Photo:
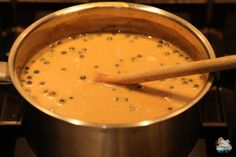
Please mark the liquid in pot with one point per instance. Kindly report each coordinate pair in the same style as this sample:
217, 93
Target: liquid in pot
60, 78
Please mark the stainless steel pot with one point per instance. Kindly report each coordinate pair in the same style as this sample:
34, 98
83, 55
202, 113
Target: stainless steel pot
51, 135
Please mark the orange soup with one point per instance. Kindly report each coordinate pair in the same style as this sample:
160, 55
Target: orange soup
60, 78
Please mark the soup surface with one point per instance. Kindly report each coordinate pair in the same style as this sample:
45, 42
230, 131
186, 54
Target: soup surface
60, 78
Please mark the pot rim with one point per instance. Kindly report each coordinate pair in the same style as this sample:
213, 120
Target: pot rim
76, 8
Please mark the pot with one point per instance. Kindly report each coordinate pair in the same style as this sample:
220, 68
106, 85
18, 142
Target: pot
51, 135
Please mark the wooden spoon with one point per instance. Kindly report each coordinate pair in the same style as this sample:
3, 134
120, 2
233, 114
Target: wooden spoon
189, 68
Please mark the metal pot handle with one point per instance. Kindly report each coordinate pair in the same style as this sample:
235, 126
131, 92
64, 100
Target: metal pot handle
4, 73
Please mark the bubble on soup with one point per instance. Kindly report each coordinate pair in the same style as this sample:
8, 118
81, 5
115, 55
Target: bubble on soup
133, 59
195, 86
139, 56
167, 53
29, 77
161, 41
184, 82
73, 37
176, 52
29, 82
63, 69
201, 77
25, 72
42, 83
167, 44
27, 91
126, 99
52, 45
45, 91
159, 45
83, 77
63, 52
51, 94
72, 48
117, 65
190, 80
127, 35
58, 42
132, 108
62, 101
109, 38
117, 98
26, 68
42, 59
187, 59
36, 72
171, 87
162, 64
82, 56
170, 108
51, 54
52, 109
46, 62
83, 49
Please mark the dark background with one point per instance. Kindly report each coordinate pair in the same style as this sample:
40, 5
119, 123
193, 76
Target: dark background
215, 18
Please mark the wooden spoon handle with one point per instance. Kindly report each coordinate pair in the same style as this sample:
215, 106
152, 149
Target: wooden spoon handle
196, 67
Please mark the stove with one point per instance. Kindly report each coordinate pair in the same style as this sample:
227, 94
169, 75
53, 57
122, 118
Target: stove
215, 18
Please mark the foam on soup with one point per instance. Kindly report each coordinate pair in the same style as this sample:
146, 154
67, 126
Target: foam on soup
60, 78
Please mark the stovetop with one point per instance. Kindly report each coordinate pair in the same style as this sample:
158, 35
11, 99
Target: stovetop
216, 19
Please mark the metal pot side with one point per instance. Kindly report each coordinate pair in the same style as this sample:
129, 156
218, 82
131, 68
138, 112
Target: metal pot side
54, 138
53, 135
